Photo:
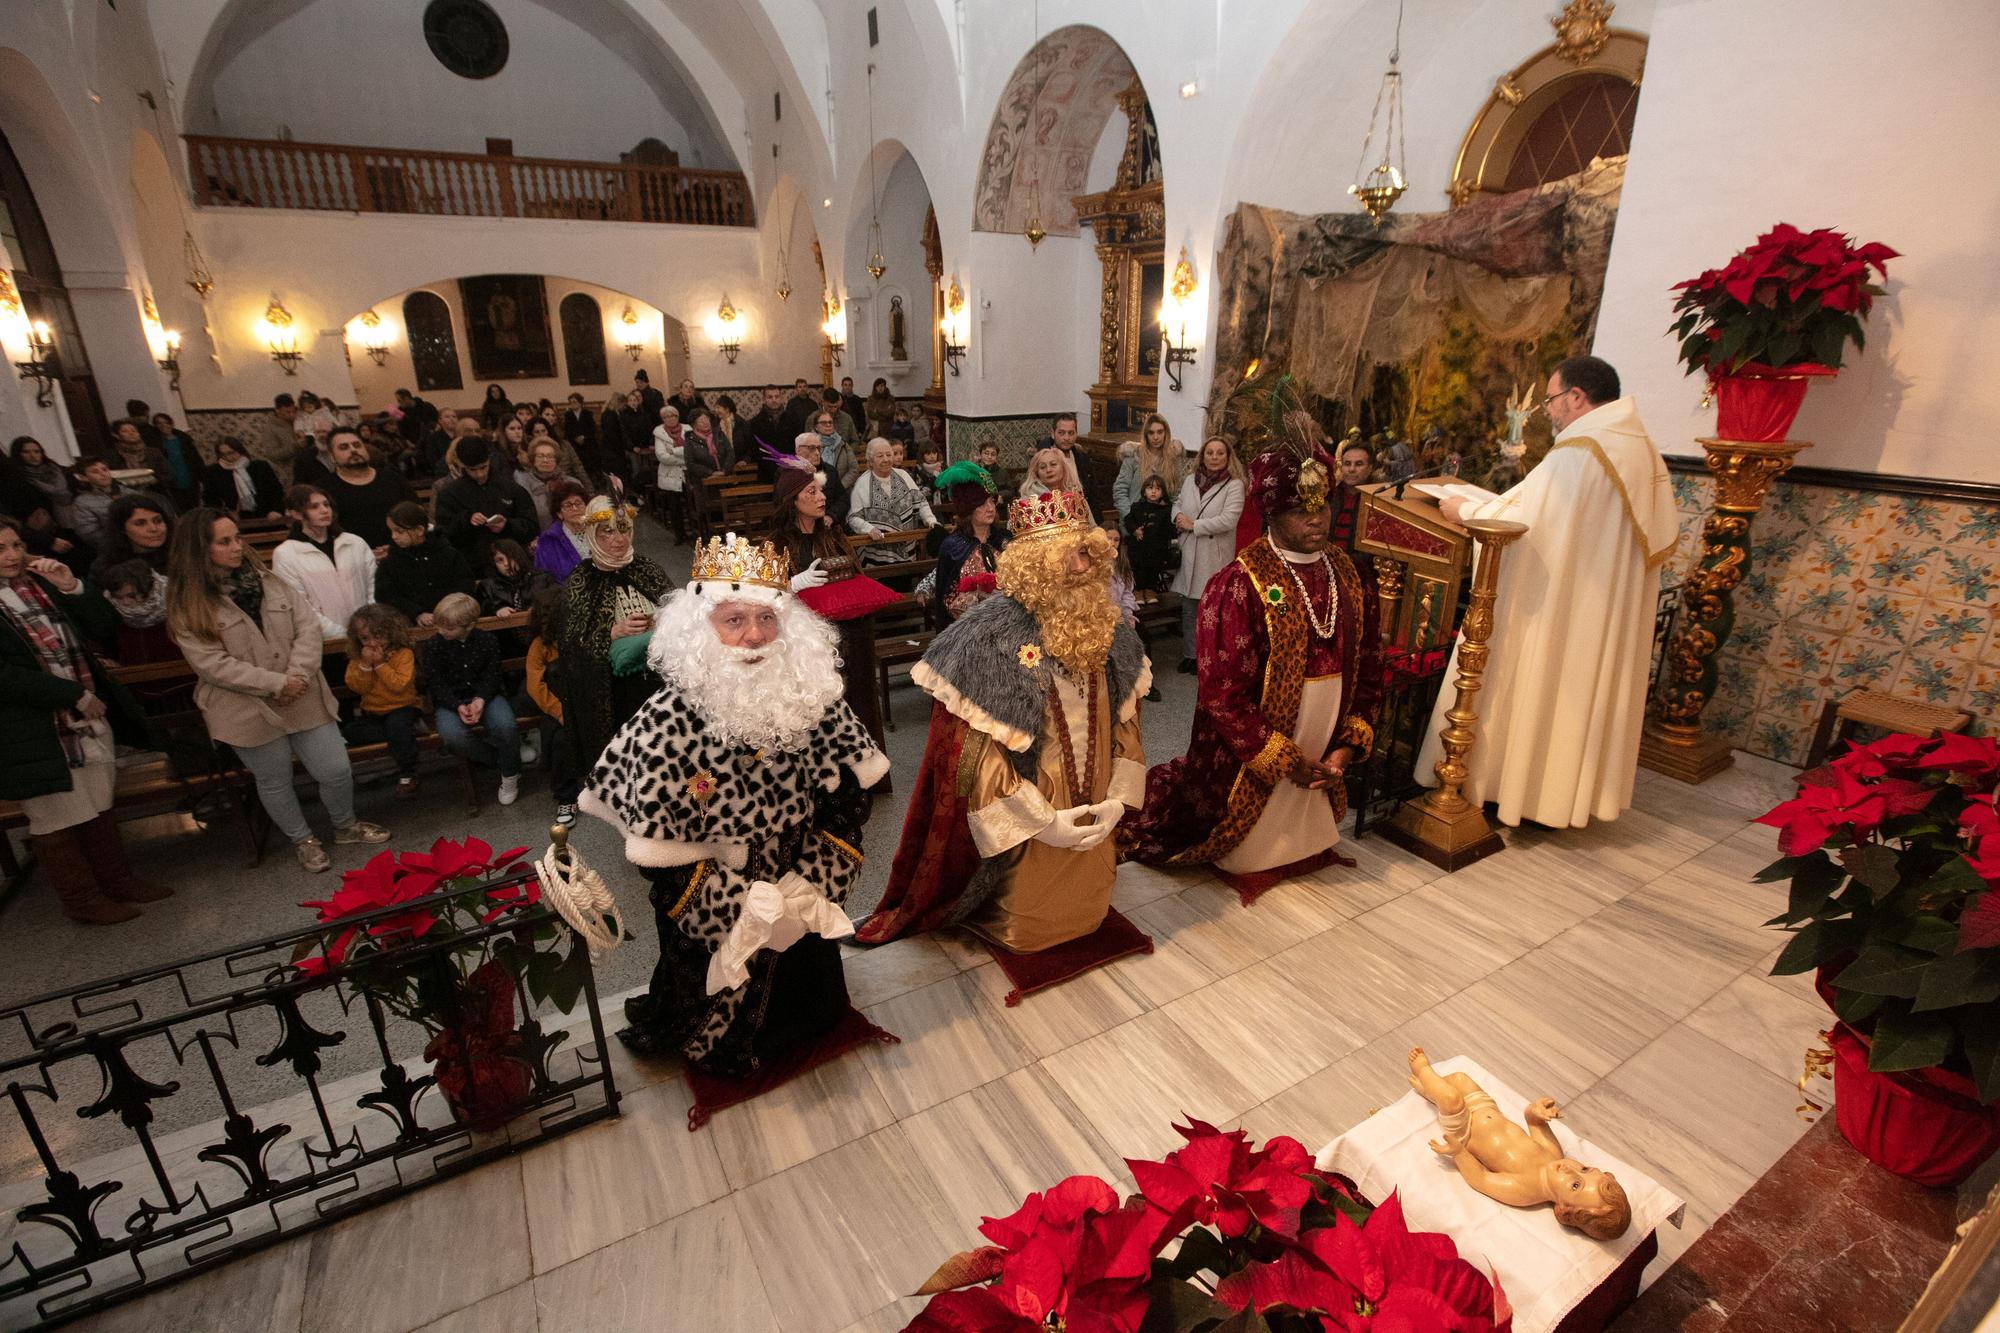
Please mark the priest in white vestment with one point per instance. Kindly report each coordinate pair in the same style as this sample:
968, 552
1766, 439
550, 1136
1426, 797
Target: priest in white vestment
1564, 699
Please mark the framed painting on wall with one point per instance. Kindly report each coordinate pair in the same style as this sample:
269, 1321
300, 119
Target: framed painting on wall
507, 326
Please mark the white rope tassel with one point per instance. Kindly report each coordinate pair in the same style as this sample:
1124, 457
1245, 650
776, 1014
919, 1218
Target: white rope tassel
579, 896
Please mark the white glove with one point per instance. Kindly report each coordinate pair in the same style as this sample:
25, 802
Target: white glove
812, 576
1108, 813
1071, 830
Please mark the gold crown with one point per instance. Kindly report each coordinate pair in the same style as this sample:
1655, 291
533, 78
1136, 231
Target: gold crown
1049, 512
737, 560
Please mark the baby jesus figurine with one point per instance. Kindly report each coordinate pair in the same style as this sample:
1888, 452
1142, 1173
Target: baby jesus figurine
1520, 1168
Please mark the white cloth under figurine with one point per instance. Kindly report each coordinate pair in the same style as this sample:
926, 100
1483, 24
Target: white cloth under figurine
1565, 693
1545, 1268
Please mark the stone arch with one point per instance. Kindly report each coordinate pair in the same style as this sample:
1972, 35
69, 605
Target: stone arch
56, 162
1024, 169
907, 282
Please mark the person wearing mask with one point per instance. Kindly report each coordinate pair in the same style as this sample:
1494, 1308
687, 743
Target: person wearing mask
45, 475
362, 493
670, 469
333, 572
421, 568
478, 507
565, 543
1210, 502
256, 653
239, 485
63, 715
273, 440
135, 529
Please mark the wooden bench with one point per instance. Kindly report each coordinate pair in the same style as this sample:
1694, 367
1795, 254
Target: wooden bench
1884, 712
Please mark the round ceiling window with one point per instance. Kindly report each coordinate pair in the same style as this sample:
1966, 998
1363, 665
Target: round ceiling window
467, 37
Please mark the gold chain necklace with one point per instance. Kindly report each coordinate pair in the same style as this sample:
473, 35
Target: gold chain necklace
1322, 628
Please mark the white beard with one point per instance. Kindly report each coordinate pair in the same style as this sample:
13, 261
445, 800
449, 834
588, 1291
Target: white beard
770, 697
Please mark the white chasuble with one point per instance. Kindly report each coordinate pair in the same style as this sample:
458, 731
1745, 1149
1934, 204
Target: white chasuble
1564, 699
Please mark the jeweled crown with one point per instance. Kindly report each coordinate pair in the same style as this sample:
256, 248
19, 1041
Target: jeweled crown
1049, 512
734, 559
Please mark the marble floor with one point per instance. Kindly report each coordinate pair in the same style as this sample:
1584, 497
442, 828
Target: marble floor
1620, 968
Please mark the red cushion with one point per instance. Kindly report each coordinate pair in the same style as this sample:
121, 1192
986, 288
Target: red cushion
849, 599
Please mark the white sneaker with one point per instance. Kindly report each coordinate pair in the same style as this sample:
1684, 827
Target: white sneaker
531, 750
510, 790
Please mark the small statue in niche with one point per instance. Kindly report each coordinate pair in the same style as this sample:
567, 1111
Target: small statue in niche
1517, 1167
899, 349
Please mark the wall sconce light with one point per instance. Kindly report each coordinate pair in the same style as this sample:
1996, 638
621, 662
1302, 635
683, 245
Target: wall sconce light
280, 337
375, 336
170, 358
954, 326
1176, 349
835, 329
725, 330
635, 342
41, 363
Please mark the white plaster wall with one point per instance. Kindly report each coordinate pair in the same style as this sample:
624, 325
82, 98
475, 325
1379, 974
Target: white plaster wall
359, 260
564, 92
1887, 140
905, 201
661, 356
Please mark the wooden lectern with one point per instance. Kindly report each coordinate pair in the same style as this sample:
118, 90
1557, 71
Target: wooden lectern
1421, 560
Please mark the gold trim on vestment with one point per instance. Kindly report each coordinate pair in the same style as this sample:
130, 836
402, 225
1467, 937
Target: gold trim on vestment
1624, 498
847, 850
687, 894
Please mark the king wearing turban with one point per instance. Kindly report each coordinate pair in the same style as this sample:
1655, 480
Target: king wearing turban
1289, 664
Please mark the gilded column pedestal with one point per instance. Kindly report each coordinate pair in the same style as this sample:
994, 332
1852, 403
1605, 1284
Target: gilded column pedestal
1441, 825
1674, 743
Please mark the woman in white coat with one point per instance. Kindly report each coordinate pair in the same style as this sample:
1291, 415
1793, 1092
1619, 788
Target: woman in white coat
1211, 501
333, 571
670, 452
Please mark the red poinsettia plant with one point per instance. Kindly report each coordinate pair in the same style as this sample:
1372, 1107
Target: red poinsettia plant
1893, 856
1795, 298
1266, 1242
440, 894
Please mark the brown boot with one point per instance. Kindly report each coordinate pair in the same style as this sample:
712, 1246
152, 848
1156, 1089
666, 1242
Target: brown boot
61, 857
110, 868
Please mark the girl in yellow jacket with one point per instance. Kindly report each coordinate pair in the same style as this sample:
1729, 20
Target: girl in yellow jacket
382, 671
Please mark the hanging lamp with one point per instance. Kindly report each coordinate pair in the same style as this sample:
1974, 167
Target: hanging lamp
877, 265
1378, 188
1035, 231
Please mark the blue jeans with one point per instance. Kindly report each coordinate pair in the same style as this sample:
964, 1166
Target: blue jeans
499, 747
324, 754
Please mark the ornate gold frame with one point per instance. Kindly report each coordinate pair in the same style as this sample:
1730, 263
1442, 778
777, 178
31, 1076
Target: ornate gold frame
1487, 152
1129, 222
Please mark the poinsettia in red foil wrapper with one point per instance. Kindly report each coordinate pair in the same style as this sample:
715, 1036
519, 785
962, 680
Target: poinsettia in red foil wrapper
1264, 1241
1892, 853
1793, 299
461, 988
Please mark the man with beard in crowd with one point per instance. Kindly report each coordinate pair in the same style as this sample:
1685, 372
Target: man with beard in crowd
362, 493
740, 791
1034, 752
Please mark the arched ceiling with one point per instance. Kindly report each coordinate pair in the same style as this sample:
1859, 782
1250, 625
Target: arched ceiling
1079, 72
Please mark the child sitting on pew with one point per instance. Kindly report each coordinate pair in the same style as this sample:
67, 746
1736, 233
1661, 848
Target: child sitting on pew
461, 670
545, 624
382, 672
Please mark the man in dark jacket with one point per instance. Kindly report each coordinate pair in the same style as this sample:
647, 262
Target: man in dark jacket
419, 417
65, 779
421, 568
767, 427
857, 412
478, 507
651, 400
799, 411
579, 427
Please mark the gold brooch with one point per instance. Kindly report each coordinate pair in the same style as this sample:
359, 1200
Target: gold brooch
702, 786
1030, 656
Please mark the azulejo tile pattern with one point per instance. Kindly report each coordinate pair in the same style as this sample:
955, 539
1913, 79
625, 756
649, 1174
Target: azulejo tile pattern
1851, 589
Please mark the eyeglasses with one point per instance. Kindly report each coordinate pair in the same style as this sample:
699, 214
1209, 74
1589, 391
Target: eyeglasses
1560, 393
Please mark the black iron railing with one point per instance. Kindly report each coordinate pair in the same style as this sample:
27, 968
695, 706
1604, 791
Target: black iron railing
134, 1154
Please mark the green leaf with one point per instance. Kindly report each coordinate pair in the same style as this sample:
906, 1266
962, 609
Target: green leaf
1201, 1250
1958, 979
1884, 969
1814, 944
1785, 867
566, 981
1979, 1029
1874, 865
1854, 1008
1782, 348
1813, 882
1909, 1041
1955, 878
1176, 1306
1925, 932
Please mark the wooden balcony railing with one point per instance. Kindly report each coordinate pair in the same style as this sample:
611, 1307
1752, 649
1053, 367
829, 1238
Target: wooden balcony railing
271, 173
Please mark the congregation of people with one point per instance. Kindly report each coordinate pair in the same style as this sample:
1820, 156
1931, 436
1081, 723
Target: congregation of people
474, 578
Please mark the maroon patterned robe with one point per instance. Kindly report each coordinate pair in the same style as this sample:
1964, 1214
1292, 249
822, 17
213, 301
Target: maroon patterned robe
1200, 806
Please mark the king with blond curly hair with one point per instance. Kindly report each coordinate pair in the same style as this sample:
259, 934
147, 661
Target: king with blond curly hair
1033, 754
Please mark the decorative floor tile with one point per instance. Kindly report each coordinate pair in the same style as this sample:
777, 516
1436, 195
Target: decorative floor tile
1371, 983
951, 1042
699, 1270
513, 1309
